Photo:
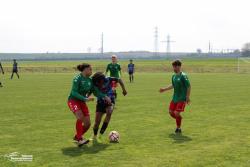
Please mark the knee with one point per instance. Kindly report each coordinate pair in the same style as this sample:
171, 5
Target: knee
108, 115
80, 118
177, 114
171, 112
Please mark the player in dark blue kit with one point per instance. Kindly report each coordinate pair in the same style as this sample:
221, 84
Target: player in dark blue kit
1, 68
131, 70
104, 84
15, 69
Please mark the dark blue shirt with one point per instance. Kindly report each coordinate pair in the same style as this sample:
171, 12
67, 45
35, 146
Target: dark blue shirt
107, 89
131, 67
15, 66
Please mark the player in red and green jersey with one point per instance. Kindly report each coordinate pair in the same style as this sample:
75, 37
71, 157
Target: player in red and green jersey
181, 97
114, 68
115, 71
81, 89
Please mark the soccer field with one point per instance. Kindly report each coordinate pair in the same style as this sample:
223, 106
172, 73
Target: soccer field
35, 120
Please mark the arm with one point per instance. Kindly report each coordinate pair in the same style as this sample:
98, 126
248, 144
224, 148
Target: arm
107, 70
188, 86
124, 91
99, 94
75, 93
120, 70
188, 94
166, 88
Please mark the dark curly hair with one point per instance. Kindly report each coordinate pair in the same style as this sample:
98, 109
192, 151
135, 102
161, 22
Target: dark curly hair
81, 67
176, 63
97, 77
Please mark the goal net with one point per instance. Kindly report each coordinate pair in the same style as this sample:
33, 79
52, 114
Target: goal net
243, 65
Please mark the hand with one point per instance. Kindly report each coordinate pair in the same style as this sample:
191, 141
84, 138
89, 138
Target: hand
188, 100
90, 99
162, 90
107, 100
124, 92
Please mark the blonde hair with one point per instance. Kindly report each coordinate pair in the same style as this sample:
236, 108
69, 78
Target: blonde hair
114, 56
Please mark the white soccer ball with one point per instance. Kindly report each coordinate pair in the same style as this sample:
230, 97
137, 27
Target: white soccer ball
114, 136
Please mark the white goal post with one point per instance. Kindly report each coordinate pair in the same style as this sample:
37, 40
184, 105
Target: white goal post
243, 65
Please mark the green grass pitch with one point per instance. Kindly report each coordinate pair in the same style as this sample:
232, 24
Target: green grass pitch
35, 120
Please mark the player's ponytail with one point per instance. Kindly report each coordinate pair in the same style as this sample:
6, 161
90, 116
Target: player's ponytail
83, 66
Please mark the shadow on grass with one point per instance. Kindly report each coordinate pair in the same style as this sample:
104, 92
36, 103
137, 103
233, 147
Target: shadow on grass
179, 138
77, 151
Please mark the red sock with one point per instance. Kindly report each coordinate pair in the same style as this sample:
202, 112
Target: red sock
79, 129
178, 121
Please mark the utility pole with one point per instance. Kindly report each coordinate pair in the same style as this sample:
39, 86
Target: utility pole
209, 47
168, 41
102, 44
156, 48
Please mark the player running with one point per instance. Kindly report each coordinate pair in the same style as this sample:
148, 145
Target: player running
115, 71
15, 69
1, 68
181, 97
104, 84
131, 70
81, 89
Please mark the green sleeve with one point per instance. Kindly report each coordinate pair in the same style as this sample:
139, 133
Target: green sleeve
97, 92
186, 81
119, 68
107, 69
74, 91
172, 80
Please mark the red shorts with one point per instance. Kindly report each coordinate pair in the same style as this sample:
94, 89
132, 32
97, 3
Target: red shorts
179, 106
114, 84
76, 105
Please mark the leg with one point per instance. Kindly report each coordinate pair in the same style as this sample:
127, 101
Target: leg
172, 107
178, 119
172, 114
98, 119
86, 124
179, 108
109, 111
132, 77
12, 75
79, 127
17, 75
115, 94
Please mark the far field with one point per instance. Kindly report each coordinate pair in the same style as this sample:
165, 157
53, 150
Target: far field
217, 65
35, 119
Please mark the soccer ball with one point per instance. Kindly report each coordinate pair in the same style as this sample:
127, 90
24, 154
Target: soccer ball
114, 136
